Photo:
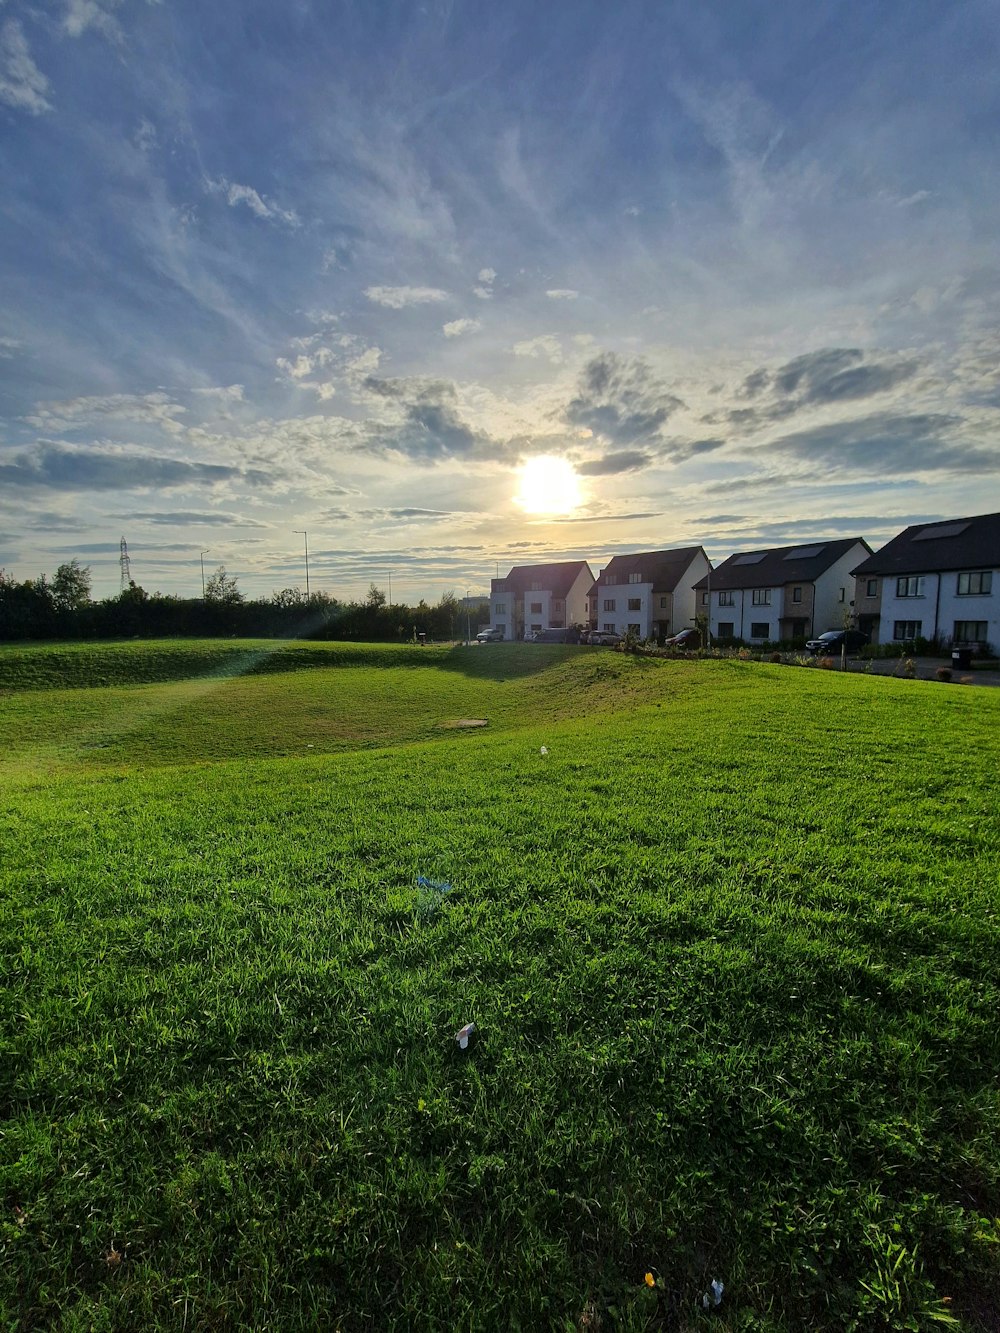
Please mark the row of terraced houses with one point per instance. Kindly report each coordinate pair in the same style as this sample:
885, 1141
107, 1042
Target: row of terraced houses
935, 581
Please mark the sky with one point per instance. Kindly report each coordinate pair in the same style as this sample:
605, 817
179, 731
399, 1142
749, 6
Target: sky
345, 267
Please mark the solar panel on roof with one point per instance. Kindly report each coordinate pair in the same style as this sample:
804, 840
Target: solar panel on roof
942, 530
805, 552
750, 559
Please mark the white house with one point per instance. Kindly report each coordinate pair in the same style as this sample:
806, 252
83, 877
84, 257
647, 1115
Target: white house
648, 594
936, 581
786, 592
538, 597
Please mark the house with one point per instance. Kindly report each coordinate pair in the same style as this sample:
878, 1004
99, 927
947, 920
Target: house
648, 594
786, 592
936, 581
540, 597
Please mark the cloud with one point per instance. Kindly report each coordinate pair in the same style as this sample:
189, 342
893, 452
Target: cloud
621, 399
562, 294
8, 346
195, 518
22, 84
235, 195
83, 14
628, 460
831, 375
546, 345
426, 425
487, 276
602, 518
398, 297
459, 326
58, 467
226, 396
888, 443
156, 409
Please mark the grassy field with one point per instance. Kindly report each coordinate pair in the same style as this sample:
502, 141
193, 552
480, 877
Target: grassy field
731, 946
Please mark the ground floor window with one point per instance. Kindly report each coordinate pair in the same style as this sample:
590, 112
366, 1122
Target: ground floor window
635, 629
610, 629
969, 631
904, 630
759, 629
725, 629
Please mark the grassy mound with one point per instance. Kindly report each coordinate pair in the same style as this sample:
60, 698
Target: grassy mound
731, 947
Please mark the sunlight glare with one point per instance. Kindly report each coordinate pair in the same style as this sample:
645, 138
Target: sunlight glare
548, 486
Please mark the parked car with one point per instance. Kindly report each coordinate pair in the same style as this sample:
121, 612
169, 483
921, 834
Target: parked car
605, 637
687, 639
832, 642
532, 635
493, 635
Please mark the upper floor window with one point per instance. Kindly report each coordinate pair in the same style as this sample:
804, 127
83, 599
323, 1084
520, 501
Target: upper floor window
535, 587
797, 595
871, 588
911, 585
663, 602
975, 584
635, 603
500, 608
536, 608
610, 578
609, 603
635, 578
762, 596
726, 599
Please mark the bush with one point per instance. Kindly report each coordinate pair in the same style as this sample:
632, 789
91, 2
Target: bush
943, 673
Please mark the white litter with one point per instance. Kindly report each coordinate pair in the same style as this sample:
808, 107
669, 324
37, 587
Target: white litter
545, 749
463, 1034
713, 1297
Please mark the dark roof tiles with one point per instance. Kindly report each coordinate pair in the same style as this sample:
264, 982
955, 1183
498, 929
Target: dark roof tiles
955, 543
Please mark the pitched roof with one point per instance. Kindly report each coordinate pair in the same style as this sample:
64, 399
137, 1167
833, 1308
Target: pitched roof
663, 569
557, 578
955, 543
780, 564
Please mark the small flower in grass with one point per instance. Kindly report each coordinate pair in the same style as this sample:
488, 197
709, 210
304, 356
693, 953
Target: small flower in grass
650, 1280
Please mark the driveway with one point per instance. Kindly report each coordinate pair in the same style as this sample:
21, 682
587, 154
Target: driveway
924, 668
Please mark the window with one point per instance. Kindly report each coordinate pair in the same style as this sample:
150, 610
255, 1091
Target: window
609, 628
843, 594
725, 629
500, 608
975, 585
610, 578
969, 631
536, 629
726, 599
635, 603
704, 599
797, 595
762, 596
536, 608
871, 588
634, 630
535, 587
663, 603
910, 586
635, 578
905, 630
609, 603
759, 629
557, 604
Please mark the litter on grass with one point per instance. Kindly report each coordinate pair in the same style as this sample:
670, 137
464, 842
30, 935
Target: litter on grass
545, 749
430, 895
712, 1298
463, 1034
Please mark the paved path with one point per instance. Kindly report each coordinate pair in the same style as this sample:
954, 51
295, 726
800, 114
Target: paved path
924, 668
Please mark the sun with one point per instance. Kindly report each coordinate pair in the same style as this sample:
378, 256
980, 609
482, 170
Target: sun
548, 486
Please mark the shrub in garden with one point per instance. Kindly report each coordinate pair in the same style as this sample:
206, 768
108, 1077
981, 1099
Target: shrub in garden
943, 673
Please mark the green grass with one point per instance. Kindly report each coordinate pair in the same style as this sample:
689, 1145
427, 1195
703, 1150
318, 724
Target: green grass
732, 948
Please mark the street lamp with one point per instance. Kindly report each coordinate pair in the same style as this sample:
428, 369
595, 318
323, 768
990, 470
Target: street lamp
301, 532
203, 554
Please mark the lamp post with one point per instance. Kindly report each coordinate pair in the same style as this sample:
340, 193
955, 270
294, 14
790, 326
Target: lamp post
390, 588
468, 618
203, 554
301, 532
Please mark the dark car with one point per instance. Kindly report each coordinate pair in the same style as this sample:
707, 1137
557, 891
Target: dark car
833, 641
688, 638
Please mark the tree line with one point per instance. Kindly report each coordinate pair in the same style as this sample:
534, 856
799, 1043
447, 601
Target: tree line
61, 607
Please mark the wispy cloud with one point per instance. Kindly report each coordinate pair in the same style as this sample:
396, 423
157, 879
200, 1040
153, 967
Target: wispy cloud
23, 86
395, 298
106, 468
457, 327
246, 196
562, 294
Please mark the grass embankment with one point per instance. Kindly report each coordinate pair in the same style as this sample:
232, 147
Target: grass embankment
731, 946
